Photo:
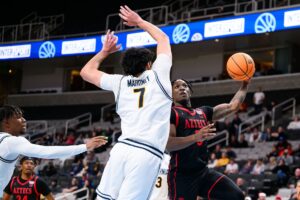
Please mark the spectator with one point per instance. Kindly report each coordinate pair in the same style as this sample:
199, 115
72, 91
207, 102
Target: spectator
247, 168
295, 124
242, 142
54, 187
230, 153
235, 123
218, 151
232, 167
265, 135
74, 185
212, 162
233, 141
296, 195
258, 101
259, 168
240, 182
294, 179
223, 161
271, 164
282, 172
49, 169
262, 196
288, 159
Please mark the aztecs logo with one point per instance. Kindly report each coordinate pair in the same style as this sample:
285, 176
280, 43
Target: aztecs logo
199, 111
31, 183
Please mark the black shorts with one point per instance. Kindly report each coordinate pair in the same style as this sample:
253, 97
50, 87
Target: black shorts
208, 184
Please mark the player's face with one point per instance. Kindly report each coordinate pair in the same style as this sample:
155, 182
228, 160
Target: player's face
27, 167
16, 125
181, 91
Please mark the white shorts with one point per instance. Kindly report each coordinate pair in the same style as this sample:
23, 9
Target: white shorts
130, 173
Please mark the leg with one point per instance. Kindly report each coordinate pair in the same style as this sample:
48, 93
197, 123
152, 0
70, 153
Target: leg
217, 186
141, 170
113, 175
182, 187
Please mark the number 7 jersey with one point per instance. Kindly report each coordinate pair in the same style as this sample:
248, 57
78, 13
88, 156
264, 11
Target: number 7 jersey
144, 103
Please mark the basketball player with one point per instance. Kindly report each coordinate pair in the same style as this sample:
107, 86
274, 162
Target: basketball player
12, 124
189, 175
143, 102
160, 189
27, 185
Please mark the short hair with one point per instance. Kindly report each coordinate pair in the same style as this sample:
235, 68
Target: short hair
28, 158
134, 60
189, 84
8, 111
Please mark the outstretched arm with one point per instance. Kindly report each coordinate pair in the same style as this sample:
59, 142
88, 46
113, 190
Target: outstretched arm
131, 18
222, 110
90, 71
20, 145
178, 143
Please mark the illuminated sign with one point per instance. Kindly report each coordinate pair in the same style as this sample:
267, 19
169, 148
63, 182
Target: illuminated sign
225, 27
292, 18
139, 39
78, 46
255, 23
15, 51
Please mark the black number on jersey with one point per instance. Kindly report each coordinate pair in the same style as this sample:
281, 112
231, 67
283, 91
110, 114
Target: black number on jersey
141, 98
158, 182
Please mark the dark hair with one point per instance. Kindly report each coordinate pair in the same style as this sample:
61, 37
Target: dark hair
134, 60
27, 158
187, 82
8, 111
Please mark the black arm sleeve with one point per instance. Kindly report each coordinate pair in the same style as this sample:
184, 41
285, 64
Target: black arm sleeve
208, 112
7, 188
42, 187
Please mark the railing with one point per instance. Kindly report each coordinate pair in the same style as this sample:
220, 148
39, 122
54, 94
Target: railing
114, 21
104, 110
257, 120
37, 126
71, 123
224, 132
283, 106
73, 195
30, 31
226, 138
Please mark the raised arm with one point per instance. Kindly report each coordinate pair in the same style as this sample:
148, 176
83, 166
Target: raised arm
131, 18
90, 72
22, 146
222, 110
178, 143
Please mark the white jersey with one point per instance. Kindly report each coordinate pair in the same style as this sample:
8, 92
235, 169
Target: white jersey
144, 104
11, 147
160, 190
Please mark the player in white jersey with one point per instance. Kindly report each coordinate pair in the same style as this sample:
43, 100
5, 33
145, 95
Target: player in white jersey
12, 124
143, 98
160, 189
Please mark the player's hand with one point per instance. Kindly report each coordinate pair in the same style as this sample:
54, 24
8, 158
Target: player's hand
110, 43
130, 17
206, 132
96, 142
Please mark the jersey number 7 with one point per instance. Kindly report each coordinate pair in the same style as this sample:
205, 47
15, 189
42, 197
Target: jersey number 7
141, 98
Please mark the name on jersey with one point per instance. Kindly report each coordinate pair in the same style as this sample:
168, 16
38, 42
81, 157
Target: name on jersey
163, 171
20, 190
194, 123
137, 82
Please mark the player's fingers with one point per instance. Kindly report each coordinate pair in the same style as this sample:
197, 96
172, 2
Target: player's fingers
212, 130
123, 17
128, 8
124, 12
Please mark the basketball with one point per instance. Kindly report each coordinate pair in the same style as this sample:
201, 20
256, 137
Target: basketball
240, 66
